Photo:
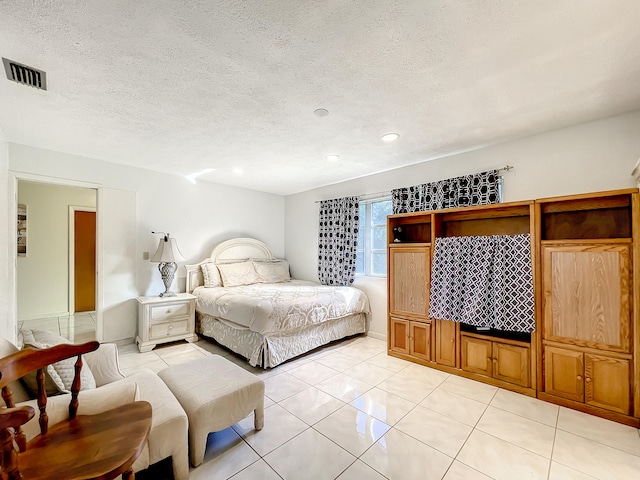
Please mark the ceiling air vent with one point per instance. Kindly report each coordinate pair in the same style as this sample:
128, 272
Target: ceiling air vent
19, 73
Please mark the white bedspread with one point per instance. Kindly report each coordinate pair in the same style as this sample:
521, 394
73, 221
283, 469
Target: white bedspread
271, 307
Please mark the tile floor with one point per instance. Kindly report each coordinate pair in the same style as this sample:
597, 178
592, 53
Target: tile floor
351, 412
78, 328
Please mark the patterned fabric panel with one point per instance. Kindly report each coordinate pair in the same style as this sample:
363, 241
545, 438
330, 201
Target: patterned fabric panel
338, 240
265, 308
485, 281
477, 189
273, 349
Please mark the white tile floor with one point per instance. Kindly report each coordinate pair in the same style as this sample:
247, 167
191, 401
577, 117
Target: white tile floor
78, 328
351, 412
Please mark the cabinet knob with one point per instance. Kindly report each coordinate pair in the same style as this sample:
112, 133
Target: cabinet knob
587, 380
169, 310
579, 377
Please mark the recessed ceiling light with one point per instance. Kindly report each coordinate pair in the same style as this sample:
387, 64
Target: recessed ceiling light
237, 171
321, 112
390, 137
333, 158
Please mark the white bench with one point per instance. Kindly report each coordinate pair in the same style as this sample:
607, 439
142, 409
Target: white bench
216, 394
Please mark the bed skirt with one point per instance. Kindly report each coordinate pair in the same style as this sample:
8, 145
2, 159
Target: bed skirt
274, 348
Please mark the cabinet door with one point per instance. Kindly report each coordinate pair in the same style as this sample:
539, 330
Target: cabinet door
511, 363
420, 340
476, 355
607, 383
587, 295
409, 270
564, 370
399, 335
446, 342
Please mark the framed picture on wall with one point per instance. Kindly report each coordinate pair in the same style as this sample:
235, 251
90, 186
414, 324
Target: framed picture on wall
22, 230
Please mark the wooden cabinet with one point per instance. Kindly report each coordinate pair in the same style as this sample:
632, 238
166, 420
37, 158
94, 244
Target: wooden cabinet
585, 350
445, 339
411, 338
596, 380
409, 285
587, 295
588, 317
503, 361
165, 319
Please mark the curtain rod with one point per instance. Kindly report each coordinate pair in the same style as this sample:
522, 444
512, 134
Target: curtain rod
387, 193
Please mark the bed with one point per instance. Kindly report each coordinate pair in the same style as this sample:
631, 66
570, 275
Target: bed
247, 302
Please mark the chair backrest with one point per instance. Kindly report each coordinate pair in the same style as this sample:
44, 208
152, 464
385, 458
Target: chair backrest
18, 364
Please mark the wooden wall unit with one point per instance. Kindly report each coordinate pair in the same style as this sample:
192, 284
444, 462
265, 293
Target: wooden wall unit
585, 351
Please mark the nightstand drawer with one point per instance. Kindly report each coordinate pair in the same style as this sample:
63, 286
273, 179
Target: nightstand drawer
169, 329
160, 313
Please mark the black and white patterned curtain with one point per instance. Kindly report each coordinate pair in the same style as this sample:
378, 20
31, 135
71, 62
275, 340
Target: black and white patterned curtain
485, 281
477, 189
338, 240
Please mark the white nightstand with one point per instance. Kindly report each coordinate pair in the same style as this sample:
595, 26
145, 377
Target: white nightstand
166, 319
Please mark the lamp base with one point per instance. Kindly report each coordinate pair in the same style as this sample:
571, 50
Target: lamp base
167, 272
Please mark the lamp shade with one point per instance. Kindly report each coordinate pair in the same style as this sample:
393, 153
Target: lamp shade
167, 251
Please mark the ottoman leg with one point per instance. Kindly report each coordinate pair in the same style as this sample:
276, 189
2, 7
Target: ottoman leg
258, 420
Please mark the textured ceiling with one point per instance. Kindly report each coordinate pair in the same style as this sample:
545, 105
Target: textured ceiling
181, 86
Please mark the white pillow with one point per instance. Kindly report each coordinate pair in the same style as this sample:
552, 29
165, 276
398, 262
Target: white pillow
211, 275
274, 271
236, 274
60, 373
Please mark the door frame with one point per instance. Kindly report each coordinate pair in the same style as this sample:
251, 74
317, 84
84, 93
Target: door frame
14, 178
72, 254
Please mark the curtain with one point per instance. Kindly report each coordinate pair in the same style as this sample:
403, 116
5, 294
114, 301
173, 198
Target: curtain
485, 281
338, 240
477, 189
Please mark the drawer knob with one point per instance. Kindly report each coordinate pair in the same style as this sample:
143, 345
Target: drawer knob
169, 310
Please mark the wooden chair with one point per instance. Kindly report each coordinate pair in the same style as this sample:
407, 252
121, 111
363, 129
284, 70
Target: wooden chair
100, 446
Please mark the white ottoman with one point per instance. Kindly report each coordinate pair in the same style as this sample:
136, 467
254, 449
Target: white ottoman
216, 394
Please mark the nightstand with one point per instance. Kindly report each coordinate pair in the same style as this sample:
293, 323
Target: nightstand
165, 319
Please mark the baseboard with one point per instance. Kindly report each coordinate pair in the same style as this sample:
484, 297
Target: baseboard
43, 316
378, 336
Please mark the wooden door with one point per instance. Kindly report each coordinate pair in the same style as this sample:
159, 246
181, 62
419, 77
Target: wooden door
607, 383
587, 295
564, 373
409, 281
84, 261
476, 355
511, 363
446, 342
399, 335
420, 340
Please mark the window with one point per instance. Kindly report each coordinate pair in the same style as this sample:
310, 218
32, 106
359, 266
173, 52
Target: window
371, 259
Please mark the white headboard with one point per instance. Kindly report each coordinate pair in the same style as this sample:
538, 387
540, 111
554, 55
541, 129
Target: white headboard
229, 251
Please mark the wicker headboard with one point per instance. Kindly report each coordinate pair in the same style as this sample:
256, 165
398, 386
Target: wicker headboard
229, 251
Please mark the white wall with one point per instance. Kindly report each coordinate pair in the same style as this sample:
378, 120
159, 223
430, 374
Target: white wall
199, 216
7, 325
43, 274
590, 157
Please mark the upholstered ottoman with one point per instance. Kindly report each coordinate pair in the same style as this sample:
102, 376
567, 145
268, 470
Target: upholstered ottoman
216, 394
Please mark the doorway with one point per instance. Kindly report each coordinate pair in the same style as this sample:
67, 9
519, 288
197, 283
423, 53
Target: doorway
46, 273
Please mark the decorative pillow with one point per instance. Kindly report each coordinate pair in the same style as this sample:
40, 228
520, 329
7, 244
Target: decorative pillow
236, 274
59, 375
211, 275
273, 271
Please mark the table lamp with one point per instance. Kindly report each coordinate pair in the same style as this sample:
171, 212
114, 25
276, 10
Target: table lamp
167, 254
